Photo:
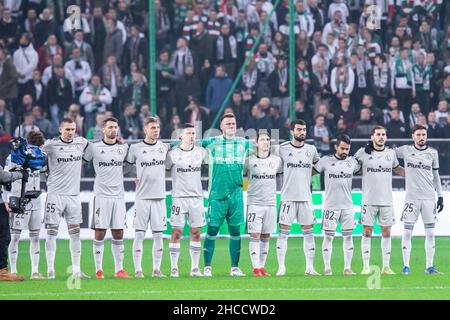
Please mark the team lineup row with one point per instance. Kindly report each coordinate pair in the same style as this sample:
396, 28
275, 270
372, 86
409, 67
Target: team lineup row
229, 159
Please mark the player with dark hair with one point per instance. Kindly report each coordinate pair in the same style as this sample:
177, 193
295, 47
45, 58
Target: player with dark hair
338, 169
377, 164
296, 198
422, 184
261, 169
108, 156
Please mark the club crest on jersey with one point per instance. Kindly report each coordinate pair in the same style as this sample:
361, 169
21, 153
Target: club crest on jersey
348, 164
161, 150
388, 157
119, 151
197, 157
271, 165
308, 154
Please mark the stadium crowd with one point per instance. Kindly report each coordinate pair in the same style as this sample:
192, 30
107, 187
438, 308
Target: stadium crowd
347, 78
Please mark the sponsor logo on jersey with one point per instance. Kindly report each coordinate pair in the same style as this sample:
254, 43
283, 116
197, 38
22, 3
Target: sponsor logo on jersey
152, 163
189, 169
379, 169
112, 163
71, 158
299, 165
418, 166
341, 175
263, 176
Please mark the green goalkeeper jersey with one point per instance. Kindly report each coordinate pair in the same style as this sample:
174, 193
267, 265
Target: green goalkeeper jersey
226, 164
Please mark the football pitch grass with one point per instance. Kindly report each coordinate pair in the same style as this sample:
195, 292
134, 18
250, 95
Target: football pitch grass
294, 285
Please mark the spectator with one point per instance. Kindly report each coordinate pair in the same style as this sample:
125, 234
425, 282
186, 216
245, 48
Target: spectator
48, 51
201, 47
74, 114
96, 132
44, 125
111, 77
392, 105
422, 73
375, 113
59, 94
329, 121
415, 112
278, 123
181, 57
8, 78
45, 27
7, 119
250, 82
86, 52
162, 26
226, 50
304, 113
380, 79
25, 107
302, 81
363, 127
319, 85
8, 29
186, 87
195, 113
402, 83
137, 92
434, 130
341, 128
29, 24
97, 26
35, 87
94, 98
26, 127
112, 15
136, 49
442, 113
49, 71
165, 83
346, 112
113, 41
278, 82
129, 123
279, 46
321, 135
444, 93
396, 128
304, 19
258, 120
240, 109
342, 80
265, 61
217, 90
26, 60
84, 29
80, 70
321, 59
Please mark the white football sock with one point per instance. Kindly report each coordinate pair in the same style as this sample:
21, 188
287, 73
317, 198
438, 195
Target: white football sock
174, 251
348, 249
13, 250
118, 252
254, 250
429, 244
264, 251
34, 251
195, 249
75, 248
157, 250
365, 250
386, 250
99, 246
406, 244
309, 248
327, 249
138, 250
282, 244
50, 249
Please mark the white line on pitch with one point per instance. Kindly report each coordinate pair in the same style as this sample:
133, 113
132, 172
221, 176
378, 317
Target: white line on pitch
80, 292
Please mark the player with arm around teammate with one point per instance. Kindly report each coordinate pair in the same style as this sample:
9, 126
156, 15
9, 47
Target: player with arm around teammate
185, 161
262, 169
422, 184
64, 162
377, 164
31, 218
108, 156
296, 199
338, 169
149, 156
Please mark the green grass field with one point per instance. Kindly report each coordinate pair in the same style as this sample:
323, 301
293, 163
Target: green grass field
292, 286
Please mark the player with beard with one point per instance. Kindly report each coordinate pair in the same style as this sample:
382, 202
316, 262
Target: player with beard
422, 184
296, 199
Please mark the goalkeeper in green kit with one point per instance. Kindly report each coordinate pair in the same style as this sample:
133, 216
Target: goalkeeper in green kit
227, 155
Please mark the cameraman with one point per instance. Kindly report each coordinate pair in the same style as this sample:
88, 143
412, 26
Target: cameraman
5, 236
31, 217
